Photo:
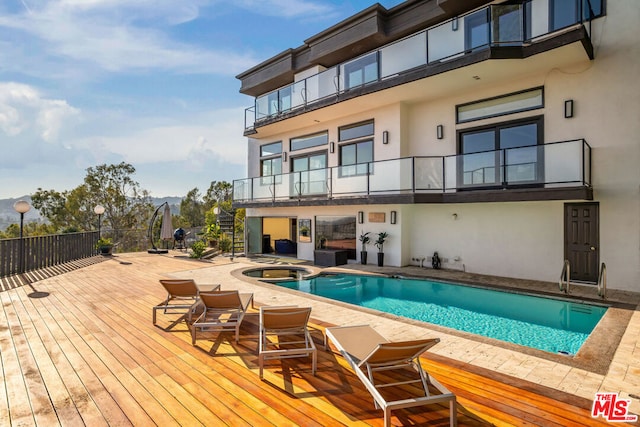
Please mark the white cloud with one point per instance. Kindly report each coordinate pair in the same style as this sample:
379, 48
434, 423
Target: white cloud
286, 8
23, 109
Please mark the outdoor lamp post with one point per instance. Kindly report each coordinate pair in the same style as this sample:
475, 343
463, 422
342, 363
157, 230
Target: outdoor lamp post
22, 207
99, 210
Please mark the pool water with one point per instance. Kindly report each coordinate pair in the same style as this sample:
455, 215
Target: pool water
548, 324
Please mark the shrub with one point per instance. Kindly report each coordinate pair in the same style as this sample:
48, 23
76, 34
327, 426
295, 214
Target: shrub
197, 249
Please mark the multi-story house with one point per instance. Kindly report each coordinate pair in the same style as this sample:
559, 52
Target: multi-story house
501, 134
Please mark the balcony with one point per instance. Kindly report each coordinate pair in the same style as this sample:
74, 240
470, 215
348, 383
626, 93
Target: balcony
513, 31
552, 171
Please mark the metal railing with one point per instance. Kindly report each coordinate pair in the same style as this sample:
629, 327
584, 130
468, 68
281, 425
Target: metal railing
602, 281
558, 164
33, 253
493, 25
565, 277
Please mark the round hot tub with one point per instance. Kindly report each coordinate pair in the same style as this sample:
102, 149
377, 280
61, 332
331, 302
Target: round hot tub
281, 272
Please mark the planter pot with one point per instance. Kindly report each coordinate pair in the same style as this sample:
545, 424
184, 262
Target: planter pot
380, 259
105, 250
363, 257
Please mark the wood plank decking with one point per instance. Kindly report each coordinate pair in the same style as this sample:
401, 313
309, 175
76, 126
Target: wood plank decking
88, 354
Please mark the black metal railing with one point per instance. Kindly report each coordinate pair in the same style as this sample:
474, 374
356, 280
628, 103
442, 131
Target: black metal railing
33, 253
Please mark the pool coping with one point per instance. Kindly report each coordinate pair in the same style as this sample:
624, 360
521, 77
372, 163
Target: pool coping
595, 355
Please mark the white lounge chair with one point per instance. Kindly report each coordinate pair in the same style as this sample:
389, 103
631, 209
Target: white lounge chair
223, 311
368, 352
284, 334
182, 297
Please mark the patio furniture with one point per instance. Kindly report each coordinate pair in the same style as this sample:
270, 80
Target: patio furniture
223, 311
368, 353
284, 334
182, 296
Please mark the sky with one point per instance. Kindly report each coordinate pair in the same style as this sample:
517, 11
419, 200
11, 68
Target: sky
147, 82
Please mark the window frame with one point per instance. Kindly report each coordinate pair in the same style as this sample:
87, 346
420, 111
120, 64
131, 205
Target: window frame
324, 132
538, 120
504, 113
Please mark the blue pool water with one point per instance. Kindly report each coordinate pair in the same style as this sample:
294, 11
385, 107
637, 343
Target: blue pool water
547, 324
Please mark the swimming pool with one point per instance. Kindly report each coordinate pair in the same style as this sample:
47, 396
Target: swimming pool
553, 325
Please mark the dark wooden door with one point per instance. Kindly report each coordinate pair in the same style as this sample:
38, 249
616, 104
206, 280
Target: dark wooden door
581, 237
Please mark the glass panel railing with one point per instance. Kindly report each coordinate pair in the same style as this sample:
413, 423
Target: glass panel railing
538, 21
249, 118
403, 55
428, 174
563, 163
507, 25
359, 72
391, 176
262, 187
445, 41
349, 180
298, 94
558, 164
242, 189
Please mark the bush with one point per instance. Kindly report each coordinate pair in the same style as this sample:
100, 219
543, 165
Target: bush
197, 249
225, 243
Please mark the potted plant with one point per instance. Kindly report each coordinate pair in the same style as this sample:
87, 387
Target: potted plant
104, 245
382, 236
211, 233
364, 239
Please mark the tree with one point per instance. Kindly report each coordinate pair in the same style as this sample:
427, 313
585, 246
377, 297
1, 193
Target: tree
218, 191
127, 206
192, 209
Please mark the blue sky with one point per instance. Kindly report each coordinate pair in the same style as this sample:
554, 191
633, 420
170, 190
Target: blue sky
148, 82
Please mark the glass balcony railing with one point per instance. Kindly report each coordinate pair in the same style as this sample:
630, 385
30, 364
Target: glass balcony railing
494, 25
551, 165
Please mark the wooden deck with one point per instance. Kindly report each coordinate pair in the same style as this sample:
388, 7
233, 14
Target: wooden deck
88, 354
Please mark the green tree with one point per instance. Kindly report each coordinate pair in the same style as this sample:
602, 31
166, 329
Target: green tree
127, 206
192, 209
218, 191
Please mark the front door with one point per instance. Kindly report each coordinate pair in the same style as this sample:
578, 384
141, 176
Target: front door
581, 237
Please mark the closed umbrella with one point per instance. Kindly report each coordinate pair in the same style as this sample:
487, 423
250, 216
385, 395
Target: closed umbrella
166, 232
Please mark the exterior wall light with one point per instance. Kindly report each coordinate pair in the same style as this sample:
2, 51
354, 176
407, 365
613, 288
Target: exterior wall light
385, 137
284, 156
394, 217
440, 131
454, 24
360, 217
568, 108
332, 147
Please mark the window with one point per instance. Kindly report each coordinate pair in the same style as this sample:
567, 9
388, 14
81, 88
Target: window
357, 130
501, 105
503, 154
360, 71
355, 158
336, 232
308, 141
309, 174
270, 161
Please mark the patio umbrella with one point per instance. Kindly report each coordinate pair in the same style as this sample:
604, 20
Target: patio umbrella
166, 232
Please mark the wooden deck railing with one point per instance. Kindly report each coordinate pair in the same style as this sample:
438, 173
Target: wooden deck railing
33, 253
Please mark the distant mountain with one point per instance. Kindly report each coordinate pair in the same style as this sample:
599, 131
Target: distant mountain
9, 216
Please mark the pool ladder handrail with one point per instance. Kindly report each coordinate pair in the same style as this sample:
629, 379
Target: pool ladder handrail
602, 281
565, 277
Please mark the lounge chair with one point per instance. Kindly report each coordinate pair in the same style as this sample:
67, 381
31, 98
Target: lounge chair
284, 334
368, 352
182, 296
223, 311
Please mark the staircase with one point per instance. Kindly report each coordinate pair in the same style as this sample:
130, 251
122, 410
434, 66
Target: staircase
227, 223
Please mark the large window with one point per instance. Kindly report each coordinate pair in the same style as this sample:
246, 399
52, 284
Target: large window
271, 159
505, 104
336, 232
356, 156
309, 174
307, 141
503, 154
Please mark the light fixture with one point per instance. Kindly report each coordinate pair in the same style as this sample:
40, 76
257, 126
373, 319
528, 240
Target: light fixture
454, 216
440, 131
454, 24
360, 217
332, 147
385, 137
98, 210
22, 207
568, 108
394, 217
284, 156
